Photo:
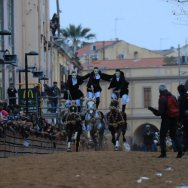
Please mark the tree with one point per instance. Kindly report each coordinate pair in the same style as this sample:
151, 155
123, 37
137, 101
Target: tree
76, 35
170, 60
180, 11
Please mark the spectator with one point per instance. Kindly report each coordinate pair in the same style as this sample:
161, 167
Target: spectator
148, 137
3, 113
168, 123
11, 91
53, 94
54, 23
183, 105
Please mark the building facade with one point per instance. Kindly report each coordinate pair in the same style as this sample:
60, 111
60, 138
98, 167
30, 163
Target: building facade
111, 50
29, 24
144, 76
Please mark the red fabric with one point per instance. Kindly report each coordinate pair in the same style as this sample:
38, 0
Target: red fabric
4, 113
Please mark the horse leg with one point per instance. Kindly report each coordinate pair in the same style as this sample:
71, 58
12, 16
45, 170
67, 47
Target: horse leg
113, 136
69, 134
93, 136
101, 136
123, 134
78, 140
75, 136
117, 139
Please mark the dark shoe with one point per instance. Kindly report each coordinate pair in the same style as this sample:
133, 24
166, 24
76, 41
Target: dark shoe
162, 156
180, 155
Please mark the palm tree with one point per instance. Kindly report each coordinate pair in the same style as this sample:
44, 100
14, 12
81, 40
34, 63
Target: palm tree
77, 35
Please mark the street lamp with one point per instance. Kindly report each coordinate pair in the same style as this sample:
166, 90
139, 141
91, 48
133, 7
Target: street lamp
32, 53
5, 32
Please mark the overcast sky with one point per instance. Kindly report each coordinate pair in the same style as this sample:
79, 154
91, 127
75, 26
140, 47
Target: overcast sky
146, 23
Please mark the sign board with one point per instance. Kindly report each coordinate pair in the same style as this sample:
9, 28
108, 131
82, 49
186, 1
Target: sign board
32, 97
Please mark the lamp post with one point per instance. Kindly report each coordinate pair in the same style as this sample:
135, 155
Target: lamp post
3, 33
32, 53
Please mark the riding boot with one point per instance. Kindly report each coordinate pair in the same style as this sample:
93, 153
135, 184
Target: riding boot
123, 107
97, 102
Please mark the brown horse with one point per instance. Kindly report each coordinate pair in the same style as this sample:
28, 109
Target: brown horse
73, 126
117, 123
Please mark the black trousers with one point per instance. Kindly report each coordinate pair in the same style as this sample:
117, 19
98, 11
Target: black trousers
185, 134
169, 124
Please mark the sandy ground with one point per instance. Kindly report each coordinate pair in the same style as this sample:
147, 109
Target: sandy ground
95, 169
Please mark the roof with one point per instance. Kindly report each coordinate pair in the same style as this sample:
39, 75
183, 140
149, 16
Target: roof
127, 63
98, 45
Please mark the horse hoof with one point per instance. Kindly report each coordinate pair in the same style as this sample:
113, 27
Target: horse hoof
68, 149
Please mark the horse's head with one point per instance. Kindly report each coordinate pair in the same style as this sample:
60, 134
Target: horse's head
91, 105
114, 105
73, 108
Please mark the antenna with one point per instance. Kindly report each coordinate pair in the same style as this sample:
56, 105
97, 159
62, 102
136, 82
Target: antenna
115, 25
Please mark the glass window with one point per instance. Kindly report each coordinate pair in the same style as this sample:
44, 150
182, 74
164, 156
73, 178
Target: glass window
147, 97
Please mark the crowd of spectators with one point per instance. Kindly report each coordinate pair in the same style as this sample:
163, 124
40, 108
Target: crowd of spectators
13, 120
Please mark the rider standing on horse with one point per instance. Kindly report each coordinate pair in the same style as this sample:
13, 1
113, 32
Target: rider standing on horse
73, 91
93, 85
120, 87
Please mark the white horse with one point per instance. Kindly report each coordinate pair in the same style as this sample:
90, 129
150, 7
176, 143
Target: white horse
95, 124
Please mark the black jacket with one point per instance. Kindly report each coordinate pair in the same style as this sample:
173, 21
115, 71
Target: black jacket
183, 105
75, 92
162, 105
96, 82
121, 85
11, 92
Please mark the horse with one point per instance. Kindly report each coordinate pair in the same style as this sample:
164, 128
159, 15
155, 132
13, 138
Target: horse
95, 124
117, 123
73, 126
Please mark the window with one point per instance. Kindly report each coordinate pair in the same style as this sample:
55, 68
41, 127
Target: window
120, 56
147, 97
135, 55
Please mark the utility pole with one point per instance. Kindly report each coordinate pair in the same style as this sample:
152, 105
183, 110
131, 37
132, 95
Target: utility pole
115, 26
179, 64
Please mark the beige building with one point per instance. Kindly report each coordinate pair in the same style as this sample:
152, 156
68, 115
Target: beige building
110, 50
144, 75
29, 24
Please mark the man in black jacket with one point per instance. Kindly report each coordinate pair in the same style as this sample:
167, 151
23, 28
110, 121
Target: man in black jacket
93, 85
120, 87
167, 123
183, 117
11, 91
73, 92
